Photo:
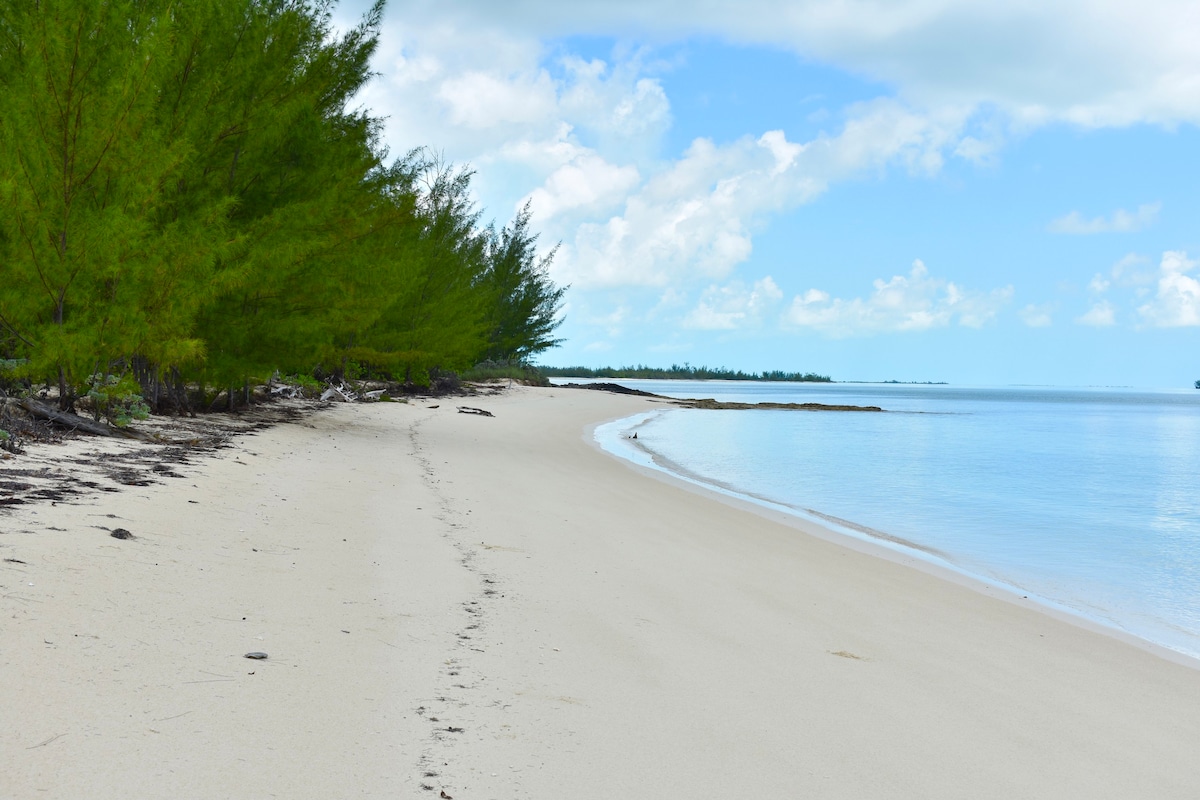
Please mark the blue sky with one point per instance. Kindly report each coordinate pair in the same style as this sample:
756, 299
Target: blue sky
971, 192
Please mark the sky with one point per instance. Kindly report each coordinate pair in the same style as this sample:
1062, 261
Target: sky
973, 192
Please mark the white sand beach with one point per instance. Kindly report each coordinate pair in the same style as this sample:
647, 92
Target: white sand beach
494, 608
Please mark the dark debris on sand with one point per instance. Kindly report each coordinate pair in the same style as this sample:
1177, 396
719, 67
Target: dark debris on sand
38, 471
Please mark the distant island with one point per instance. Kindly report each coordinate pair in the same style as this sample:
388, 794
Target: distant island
685, 372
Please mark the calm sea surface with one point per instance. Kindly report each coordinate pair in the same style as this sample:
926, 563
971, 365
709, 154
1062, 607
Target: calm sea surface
1085, 498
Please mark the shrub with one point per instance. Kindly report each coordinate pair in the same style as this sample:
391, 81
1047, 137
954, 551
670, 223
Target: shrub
117, 399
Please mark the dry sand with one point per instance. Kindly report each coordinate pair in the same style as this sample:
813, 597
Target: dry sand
492, 608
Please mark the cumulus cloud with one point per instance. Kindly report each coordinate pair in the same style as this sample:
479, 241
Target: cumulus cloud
1037, 315
1120, 221
577, 136
614, 100
695, 219
524, 116
1088, 63
1177, 301
584, 184
1100, 315
734, 305
913, 302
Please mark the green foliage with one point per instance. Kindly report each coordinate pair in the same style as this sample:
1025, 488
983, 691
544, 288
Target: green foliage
81, 172
424, 307
189, 193
524, 311
303, 380
117, 399
685, 372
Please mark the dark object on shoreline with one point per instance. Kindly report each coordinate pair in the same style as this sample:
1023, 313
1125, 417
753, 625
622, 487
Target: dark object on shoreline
615, 388
121, 533
477, 411
256, 655
73, 421
717, 405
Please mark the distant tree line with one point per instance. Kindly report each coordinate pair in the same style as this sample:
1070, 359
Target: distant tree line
685, 372
189, 199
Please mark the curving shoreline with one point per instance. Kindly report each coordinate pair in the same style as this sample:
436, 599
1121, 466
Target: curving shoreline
493, 601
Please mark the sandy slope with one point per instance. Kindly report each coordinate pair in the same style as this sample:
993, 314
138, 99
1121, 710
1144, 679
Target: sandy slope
492, 608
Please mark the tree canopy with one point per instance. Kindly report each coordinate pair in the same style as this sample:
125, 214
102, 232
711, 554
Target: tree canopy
189, 195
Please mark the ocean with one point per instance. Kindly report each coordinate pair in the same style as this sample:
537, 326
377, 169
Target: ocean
1084, 499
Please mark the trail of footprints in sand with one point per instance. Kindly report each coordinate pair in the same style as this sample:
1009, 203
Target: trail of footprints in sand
461, 680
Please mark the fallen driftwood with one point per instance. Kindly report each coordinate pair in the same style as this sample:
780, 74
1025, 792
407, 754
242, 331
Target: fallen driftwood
478, 411
286, 390
342, 393
74, 421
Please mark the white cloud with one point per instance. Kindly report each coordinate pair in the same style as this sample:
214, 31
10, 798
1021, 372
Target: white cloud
587, 183
1177, 302
498, 100
1088, 63
696, 218
1099, 284
481, 100
1037, 316
614, 100
912, 302
734, 305
1120, 221
579, 136
1100, 315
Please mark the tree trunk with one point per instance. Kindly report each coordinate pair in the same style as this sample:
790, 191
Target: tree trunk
65, 418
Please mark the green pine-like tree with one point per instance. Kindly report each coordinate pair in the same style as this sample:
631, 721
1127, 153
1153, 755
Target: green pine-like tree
189, 196
524, 306
83, 170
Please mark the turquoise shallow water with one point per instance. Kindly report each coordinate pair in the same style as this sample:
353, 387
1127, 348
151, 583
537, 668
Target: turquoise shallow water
1085, 498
